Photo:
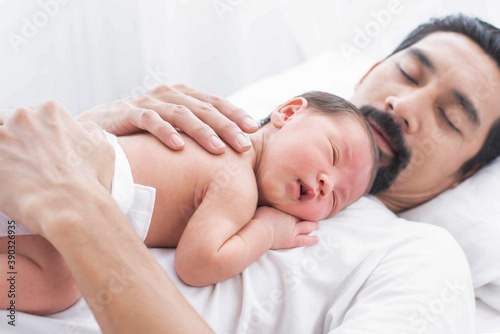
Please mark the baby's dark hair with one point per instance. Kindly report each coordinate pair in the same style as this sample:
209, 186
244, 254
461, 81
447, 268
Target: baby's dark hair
332, 104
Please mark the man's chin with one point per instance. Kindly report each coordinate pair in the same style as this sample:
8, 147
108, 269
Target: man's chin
385, 159
387, 173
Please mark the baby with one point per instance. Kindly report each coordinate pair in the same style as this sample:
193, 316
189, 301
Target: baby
314, 156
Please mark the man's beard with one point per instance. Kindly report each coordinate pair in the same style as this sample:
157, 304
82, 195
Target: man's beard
388, 173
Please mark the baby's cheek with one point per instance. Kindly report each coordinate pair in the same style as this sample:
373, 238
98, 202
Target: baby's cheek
313, 212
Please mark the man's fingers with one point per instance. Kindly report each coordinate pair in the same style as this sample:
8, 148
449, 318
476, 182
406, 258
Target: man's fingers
151, 121
196, 117
166, 117
238, 115
224, 117
20, 113
184, 119
5, 113
226, 128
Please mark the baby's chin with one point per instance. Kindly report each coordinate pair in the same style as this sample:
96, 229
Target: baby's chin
298, 210
310, 216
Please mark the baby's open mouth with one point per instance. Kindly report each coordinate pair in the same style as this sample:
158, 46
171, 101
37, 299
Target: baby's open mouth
306, 193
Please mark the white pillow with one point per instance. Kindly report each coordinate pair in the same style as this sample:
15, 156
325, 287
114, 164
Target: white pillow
470, 212
329, 72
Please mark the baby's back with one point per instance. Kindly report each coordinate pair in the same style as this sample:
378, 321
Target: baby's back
181, 179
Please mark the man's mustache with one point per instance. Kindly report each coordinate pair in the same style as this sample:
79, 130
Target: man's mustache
402, 154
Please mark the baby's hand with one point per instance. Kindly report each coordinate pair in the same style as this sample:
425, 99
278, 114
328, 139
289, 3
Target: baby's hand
289, 231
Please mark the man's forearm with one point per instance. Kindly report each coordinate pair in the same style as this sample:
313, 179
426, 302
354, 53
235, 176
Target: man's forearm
116, 273
56, 175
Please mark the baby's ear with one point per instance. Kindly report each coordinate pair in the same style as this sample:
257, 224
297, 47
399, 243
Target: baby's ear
286, 111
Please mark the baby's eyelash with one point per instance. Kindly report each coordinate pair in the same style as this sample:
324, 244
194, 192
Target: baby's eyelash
334, 200
335, 155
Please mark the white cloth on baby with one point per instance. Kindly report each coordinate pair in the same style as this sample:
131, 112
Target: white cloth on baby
136, 201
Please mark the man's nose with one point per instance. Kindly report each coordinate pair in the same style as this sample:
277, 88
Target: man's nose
406, 111
326, 184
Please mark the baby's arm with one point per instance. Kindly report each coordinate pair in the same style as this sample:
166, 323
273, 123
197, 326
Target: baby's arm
221, 239
288, 231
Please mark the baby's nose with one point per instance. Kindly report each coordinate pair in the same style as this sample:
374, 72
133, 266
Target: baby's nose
325, 185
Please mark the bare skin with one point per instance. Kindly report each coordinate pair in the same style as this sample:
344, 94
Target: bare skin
164, 109
215, 241
75, 230
90, 277
434, 125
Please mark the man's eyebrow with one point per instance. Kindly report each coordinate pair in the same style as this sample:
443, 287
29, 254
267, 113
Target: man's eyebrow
422, 58
461, 99
466, 106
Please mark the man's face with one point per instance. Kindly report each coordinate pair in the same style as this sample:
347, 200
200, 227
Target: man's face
431, 107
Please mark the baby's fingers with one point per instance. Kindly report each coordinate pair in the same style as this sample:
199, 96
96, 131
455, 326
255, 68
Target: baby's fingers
302, 229
304, 240
305, 227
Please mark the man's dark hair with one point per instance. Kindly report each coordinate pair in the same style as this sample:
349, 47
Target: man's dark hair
332, 104
488, 38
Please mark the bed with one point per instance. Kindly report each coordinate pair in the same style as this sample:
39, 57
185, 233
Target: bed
470, 212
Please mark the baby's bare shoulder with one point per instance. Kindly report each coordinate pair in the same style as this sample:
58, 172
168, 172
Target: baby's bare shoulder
234, 172
232, 183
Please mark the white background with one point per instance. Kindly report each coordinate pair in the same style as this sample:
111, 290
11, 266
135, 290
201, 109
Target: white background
92, 51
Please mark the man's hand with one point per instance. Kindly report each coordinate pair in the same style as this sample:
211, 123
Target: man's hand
289, 231
164, 109
47, 160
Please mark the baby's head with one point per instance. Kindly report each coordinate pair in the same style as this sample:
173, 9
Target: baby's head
318, 157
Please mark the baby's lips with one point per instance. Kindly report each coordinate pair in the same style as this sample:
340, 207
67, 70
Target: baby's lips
306, 193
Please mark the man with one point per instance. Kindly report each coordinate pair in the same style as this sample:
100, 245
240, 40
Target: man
382, 275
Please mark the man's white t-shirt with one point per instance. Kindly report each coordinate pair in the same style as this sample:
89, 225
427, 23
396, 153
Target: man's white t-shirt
372, 272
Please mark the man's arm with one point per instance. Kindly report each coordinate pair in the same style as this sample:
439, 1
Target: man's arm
126, 288
164, 109
50, 183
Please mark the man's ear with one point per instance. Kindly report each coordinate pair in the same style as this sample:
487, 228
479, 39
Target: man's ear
467, 175
366, 74
286, 111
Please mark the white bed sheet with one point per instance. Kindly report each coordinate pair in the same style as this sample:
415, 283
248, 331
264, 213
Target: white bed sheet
338, 286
